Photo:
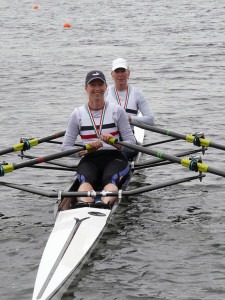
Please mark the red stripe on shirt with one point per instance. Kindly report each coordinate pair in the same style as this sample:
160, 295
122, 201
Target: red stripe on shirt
92, 136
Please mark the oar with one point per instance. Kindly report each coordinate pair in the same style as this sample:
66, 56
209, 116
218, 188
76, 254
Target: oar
27, 144
185, 162
60, 194
160, 142
11, 167
53, 168
147, 164
159, 162
60, 143
60, 164
188, 138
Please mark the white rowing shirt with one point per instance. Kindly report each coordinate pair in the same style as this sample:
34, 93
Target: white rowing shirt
133, 101
114, 122
103, 120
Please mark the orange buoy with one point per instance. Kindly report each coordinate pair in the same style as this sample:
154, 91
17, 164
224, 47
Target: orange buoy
35, 6
67, 25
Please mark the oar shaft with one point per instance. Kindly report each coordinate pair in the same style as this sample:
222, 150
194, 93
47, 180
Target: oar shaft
185, 162
160, 185
60, 194
215, 171
159, 160
11, 167
187, 138
159, 130
51, 137
46, 158
60, 164
32, 143
160, 142
7, 150
150, 151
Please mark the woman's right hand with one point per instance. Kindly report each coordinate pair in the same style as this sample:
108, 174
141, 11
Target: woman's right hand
95, 146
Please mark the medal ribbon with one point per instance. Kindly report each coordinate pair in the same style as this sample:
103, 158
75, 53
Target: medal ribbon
118, 97
97, 130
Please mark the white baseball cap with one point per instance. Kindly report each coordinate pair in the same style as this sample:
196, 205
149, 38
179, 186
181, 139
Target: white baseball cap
119, 63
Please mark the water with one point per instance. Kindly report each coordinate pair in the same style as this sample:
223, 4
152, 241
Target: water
167, 244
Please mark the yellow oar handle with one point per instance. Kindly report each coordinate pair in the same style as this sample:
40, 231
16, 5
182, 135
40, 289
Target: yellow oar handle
88, 147
112, 140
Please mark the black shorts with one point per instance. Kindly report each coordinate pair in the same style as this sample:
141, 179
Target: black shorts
102, 167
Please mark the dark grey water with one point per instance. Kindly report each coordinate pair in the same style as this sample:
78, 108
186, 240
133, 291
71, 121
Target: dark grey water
167, 244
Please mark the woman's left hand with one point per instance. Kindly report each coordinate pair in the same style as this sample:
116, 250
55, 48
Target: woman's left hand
105, 138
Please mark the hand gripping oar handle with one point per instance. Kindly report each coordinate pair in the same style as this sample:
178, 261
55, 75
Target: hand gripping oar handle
185, 162
11, 167
28, 143
198, 141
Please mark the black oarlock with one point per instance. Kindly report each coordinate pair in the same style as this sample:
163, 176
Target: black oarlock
195, 159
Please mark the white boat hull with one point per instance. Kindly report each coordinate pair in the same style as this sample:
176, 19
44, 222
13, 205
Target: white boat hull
81, 227
75, 233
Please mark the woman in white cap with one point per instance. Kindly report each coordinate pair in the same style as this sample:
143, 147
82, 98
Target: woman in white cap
128, 97
95, 122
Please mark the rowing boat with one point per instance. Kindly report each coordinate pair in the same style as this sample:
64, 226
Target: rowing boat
75, 233
77, 230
